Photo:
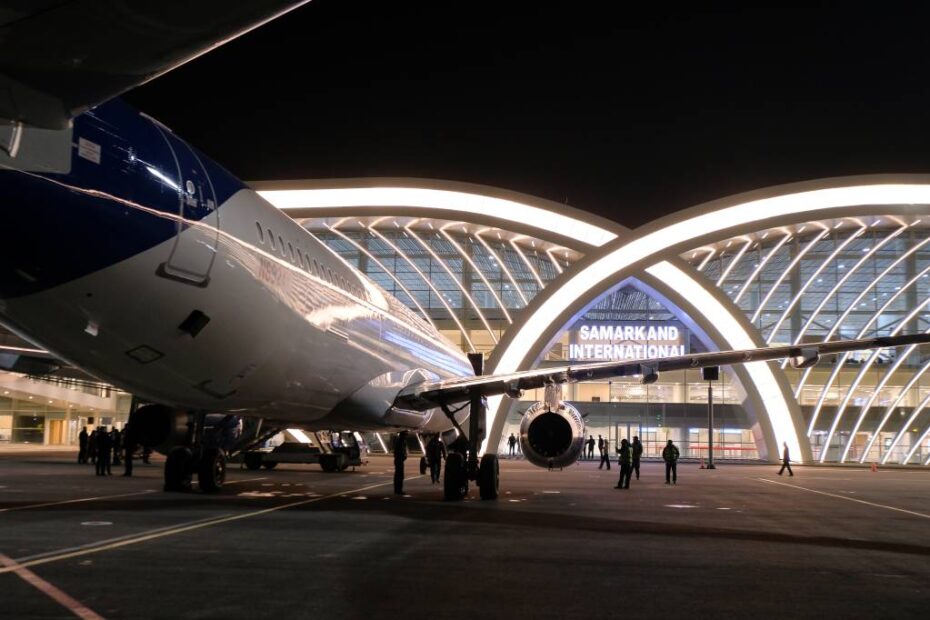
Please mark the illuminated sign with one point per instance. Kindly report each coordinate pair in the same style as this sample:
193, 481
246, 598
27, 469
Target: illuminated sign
592, 341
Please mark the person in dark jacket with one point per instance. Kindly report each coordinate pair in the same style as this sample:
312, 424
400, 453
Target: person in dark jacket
92, 447
435, 453
512, 444
785, 461
590, 444
637, 454
82, 445
604, 446
104, 445
116, 438
128, 447
626, 464
400, 455
670, 456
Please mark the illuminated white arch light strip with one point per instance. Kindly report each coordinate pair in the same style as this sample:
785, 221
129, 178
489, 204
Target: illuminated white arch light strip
903, 430
458, 282
736, 259
503, 266
526, 261
760, 267
865, 367
432, 199
845, 356
849, 273
706, 260
784, 274
850, 308
390, 273
555, 263
868, 404
426, 279
647, 244
478, 271
810, 280
890, 409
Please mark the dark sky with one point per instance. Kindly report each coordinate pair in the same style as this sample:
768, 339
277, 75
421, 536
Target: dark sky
627, 112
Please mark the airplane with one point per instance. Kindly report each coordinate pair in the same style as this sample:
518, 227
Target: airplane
133, 256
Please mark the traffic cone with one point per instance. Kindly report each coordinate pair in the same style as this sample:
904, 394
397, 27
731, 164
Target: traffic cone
874, 466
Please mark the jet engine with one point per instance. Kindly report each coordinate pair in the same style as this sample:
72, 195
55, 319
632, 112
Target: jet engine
552, 436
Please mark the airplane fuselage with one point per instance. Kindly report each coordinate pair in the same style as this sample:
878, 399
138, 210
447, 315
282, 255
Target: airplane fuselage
138, 259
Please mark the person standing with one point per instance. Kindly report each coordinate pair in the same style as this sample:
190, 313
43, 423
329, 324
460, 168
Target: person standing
128, 447
626, 464
785, 461
512, 443
590, 443
116, 437
82, 445
104, 445
637, 454
670, 455
435, 453
605, 454
400, 455
92, 447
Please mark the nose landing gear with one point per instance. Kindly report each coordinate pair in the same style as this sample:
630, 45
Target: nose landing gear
208, 461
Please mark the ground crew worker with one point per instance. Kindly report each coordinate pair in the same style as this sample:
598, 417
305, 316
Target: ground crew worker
400, 455
116, 438
512, 443
603, 446
637, 454
128, 448
435, 453
590, 443
785, 461
626, 464
92, 447
670, 455
104, 446
82, 445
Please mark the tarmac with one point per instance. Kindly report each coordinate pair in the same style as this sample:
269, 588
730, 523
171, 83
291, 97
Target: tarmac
735, 542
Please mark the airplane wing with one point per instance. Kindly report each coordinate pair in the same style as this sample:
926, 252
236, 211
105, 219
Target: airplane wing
424, 396
60, 57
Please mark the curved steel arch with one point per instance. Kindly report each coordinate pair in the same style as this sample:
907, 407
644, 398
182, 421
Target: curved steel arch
649, 246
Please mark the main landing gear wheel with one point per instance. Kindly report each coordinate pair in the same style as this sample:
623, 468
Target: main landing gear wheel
269, 465
253, 460
489, 476
211, 472
455, 481
178, 469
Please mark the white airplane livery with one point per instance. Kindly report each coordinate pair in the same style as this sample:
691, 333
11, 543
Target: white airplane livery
135, 257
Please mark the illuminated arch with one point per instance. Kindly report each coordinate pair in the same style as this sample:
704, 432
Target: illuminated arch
614, 254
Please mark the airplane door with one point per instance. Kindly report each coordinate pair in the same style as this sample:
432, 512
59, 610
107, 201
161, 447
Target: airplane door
198, 229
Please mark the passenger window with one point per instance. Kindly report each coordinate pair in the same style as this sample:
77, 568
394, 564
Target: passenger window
271, 238
261, 233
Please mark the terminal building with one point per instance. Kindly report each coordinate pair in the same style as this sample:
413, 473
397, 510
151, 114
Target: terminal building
530, 282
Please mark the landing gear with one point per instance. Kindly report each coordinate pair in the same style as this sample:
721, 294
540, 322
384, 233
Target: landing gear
208, 461
489, 477
211, 470
178, 469
455, 480
253, 460
459, 470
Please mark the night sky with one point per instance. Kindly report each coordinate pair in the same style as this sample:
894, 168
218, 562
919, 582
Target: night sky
627, 112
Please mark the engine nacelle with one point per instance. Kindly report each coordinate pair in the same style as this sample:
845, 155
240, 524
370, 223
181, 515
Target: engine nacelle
552, 437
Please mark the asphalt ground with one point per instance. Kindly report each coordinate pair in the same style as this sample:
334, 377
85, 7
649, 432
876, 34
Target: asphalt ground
736, 542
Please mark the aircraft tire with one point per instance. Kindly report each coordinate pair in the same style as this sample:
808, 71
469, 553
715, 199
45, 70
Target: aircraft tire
211, 471
269, 465
328, 463
489, 476
178, 470
253, 460
455, 481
